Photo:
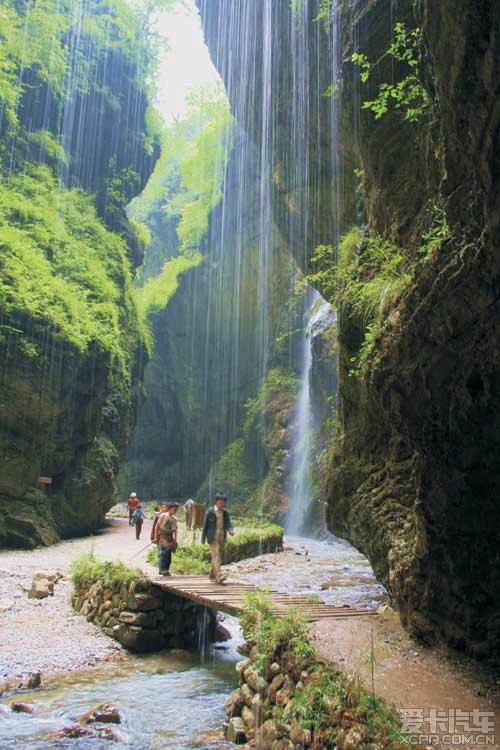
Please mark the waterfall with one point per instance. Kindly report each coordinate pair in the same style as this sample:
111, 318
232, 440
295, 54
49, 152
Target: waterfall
299, 490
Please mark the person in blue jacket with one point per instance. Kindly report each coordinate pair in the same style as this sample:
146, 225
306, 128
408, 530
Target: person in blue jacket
216, 527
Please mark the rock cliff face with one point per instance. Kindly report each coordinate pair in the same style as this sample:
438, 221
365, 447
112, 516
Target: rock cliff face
414, 478
69, 394
415, 481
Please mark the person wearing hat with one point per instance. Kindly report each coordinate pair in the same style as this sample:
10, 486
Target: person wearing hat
132, 502
216, 527
165, 537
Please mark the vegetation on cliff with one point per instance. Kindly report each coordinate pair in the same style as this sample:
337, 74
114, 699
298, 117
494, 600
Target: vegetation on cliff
77, 141
184, 188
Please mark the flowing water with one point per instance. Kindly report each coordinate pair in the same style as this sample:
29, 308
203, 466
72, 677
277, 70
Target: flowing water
331, 569
167, 701
175, 700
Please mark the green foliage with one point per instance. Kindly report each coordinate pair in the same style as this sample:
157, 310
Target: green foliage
325, 13
407, 96
183, 189
438, 233
367, 276
234, 471
157, 291
202, 169
331, 265
34, 37
273, 635
87, 569
61, 266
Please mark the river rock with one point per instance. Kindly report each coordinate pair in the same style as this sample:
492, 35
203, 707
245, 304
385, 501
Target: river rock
274, 669
255, 680
353, 738
248, 717
74, 731
52, 577
236, 731
34, 681
234, 704
242, 665
247, 694
41, 589
138, 639
276, 684
137, 618
143, 602
106, 713
267, 734
108, 733
282, 697
22, 708
222, 633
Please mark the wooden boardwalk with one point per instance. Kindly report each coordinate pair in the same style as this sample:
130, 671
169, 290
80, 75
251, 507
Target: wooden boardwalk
228, 597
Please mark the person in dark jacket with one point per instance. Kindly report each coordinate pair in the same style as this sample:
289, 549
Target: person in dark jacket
216, 527
138, 517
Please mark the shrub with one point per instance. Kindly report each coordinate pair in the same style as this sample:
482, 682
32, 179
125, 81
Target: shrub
195, 559
87, 569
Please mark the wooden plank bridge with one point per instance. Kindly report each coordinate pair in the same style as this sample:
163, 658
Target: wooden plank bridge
228, 597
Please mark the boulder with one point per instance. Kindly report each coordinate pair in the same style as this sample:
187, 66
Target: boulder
248, 718
74, 731
138, 618
139, 639
274, 669
236, 731
22, 708
276, 684
34, 680
241, 666
234, 704
52, 577
267, 734
40, 589
106, 713
255, 680
247, 694
143, 602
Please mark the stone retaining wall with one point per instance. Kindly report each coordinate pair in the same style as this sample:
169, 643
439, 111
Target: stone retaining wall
250, 708
143, 617
256, 716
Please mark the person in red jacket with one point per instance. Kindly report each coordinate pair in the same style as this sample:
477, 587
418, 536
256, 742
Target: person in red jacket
132, 502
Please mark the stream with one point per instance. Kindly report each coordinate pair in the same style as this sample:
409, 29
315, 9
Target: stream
175, 700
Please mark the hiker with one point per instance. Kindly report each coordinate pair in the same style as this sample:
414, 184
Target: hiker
132, 502
166, 537
215, 529
138, 517
188, 508
160, 508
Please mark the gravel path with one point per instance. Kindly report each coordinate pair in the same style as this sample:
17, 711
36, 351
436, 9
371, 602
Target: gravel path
46, 635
